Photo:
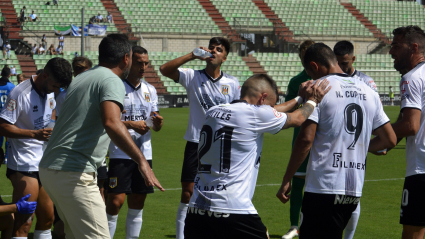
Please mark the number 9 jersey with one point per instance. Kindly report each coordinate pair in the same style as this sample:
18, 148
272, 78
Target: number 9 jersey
345, 119
229, 151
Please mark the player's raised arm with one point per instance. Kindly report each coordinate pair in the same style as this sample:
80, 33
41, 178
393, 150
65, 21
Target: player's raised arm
314, 95
170, 69
293, 104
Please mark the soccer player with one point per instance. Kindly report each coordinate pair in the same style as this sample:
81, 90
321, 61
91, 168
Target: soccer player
83, 131
140, 105
229, 151
205, 89
407, 50
391, 94
5, 87
344, 51
27, 112
299, 178
337, 135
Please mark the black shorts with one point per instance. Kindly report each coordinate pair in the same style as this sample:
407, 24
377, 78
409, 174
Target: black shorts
190, 162
102, 173
32, 174
413, 201
124, 177
324, 216
209, 225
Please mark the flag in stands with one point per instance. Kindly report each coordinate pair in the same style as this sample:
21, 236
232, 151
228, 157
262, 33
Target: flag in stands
63, 30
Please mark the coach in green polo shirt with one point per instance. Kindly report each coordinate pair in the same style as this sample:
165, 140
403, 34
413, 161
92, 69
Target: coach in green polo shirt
90, 118
299, 179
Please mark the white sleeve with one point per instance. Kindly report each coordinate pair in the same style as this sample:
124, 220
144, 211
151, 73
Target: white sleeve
13, 107
237, 91
186, 75
154, 100
380, 117
411, 90
316, 114
269, 120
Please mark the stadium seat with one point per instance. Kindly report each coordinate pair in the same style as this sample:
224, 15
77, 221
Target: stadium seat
13, 61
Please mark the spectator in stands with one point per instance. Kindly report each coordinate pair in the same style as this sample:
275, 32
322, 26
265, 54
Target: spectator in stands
44, 41
41, 50
109, 18
22, 16
51, 50
33, 17
92, 20
6, 50
55, 2
61, 39
34, 49
76, 55
12, 71
99, 18
59, 50
21, 78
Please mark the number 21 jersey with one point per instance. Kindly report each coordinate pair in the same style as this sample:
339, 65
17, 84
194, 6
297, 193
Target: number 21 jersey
229, 152
345, 119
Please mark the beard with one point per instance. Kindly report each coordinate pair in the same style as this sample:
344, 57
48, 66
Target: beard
126, 73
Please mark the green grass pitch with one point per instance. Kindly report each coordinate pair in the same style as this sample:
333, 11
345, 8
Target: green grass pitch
380, 204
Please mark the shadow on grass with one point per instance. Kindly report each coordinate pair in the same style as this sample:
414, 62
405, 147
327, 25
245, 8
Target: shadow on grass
170, 236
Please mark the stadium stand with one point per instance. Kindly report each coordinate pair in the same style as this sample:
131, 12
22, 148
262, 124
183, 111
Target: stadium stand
41, 60
388, 15
13, 61
66, 13
246, 13
170, 17
312, 17
283, 66
234, 66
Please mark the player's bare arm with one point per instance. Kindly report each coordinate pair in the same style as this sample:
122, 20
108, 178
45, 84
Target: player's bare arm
300, 151
314, 93
385, 138
408, 124
170, 69
111, 118
138, 126
11, 131
293, 104
157, 121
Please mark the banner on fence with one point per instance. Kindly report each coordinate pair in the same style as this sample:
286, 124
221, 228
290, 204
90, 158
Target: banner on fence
62, 30
92, 29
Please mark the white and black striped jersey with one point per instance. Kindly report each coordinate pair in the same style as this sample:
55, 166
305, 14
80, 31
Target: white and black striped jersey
412, 90
203, 93
229, 156
139, 102
366, 79
27, 108
345, 119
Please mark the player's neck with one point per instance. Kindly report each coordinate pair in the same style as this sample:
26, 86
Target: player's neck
38, 82
415, 61
213, 71
135, 81
352, 71
334, 69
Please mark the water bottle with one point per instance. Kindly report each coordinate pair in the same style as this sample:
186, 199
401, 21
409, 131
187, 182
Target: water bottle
201, 53
51, 125
149, 122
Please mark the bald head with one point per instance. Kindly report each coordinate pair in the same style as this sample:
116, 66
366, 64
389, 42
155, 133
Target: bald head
260, 87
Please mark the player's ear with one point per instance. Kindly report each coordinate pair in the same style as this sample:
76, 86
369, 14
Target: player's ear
354, 58
414, 47
224, 58
314, 66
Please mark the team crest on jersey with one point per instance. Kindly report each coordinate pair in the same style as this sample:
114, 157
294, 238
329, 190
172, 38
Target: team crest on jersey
225, 89
112, 182
147, 97
12, 105
51, 103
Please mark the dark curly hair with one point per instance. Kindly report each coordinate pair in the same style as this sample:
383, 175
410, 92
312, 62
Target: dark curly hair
61, 71
413, 34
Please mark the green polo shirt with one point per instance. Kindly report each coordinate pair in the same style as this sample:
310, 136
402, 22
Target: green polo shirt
79, 141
